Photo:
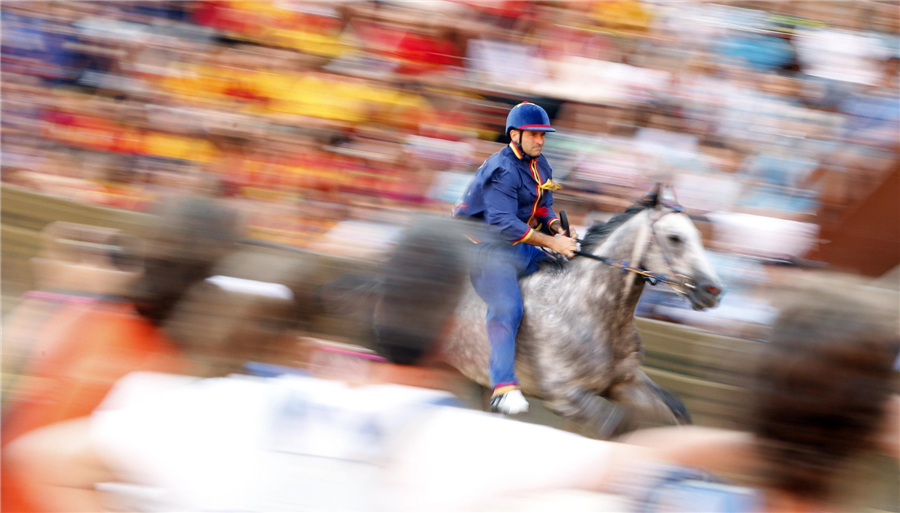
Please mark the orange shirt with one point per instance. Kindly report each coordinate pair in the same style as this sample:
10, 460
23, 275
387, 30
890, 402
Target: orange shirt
101, 346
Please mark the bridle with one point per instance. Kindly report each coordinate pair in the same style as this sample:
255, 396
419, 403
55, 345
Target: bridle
679, 282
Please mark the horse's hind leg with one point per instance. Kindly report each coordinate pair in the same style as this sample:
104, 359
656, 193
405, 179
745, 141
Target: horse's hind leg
650, 403
599, 417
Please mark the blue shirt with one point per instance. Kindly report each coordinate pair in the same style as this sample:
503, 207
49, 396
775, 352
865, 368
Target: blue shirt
511, 192
758, 52
871, 112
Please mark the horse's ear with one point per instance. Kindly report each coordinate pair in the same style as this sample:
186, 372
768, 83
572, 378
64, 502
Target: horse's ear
667, 198
667, 195
651, 199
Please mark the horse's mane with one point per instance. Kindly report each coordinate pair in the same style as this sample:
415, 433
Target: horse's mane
599, 232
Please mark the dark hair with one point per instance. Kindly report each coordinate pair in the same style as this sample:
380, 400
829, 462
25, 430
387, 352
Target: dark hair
422, 283
184, 240
223, 328
822, 386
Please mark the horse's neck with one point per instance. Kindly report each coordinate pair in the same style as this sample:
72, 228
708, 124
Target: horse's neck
605, 290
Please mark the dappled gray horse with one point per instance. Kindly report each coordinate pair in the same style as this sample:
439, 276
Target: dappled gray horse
578, 348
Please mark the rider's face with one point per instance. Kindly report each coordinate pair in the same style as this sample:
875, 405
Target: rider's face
532, 142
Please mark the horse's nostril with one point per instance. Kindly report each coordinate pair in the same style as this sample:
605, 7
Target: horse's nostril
713, 290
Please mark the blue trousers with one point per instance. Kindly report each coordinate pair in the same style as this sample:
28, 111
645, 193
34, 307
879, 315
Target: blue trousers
496, 270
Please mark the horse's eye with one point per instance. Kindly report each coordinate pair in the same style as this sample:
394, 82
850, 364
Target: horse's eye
675, 239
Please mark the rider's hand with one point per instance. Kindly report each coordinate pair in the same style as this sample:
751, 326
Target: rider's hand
565, 246
556, 226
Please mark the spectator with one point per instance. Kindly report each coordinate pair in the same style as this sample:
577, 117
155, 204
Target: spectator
114, 337
823, 395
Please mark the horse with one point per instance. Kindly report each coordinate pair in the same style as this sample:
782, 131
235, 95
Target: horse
577, 348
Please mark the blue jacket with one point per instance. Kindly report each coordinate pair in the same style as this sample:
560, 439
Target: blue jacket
512, 193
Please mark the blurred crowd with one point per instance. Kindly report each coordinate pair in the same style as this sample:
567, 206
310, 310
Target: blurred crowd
321, 116
176, 369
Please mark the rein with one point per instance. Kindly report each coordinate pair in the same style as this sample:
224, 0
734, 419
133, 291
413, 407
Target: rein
650, 277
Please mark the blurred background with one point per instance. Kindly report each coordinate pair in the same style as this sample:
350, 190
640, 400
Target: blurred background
330, 125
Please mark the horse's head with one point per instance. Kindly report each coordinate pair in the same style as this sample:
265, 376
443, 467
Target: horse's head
676, 251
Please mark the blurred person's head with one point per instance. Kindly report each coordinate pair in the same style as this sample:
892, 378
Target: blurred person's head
714, 152
15, 176
423, 280
249, 309
184, 239
120, 169
823, 386
526, 125
890, 74
64, 161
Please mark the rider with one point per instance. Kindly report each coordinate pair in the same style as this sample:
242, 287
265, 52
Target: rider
513, 193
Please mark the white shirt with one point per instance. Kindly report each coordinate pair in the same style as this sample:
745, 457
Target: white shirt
304, 444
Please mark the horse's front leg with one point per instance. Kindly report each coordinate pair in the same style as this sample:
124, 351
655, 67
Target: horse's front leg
598, 416
649, 403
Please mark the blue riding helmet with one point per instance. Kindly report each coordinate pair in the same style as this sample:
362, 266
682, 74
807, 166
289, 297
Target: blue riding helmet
528, 116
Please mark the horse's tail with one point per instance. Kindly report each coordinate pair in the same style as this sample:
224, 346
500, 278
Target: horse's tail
421, 285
